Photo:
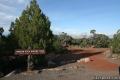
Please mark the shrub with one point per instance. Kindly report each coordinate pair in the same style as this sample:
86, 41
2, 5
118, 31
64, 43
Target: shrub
58, 48
116, 43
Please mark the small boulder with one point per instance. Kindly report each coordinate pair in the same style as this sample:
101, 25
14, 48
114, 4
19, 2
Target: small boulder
83, 60
87, 59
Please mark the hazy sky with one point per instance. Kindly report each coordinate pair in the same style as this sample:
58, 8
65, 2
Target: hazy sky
71, 16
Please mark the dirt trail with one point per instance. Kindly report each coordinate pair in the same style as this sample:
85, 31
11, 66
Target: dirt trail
99, 62
99, 65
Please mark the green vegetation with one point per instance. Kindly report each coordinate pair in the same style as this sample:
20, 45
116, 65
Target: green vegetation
116, 43
95, 40
1, 31
60, 42
32, 31
100, 41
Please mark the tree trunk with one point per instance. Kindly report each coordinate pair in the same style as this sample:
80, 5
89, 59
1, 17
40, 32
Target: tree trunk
29, 63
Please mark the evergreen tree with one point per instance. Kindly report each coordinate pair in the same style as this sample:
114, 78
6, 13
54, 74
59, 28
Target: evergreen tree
1, 31
65, 39
12, 27
116, 42
93, 32
32, 28
11, 42
101, 41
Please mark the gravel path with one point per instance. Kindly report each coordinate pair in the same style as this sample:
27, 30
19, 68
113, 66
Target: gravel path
67, 72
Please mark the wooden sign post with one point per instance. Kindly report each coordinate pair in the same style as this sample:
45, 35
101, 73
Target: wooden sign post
29, 53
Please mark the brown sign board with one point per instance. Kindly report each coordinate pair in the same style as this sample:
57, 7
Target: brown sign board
29, 52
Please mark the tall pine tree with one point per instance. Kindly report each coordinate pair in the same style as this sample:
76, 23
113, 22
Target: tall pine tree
32, 28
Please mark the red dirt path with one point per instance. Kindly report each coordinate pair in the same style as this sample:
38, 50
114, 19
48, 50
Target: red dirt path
101, 63
98, 61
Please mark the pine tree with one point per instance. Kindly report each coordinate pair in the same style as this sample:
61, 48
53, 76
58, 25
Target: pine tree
1, 31
32, 28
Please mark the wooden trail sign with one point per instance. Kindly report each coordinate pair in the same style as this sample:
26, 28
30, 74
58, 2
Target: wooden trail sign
29, 53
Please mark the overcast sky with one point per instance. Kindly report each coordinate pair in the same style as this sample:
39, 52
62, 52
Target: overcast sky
71, 16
